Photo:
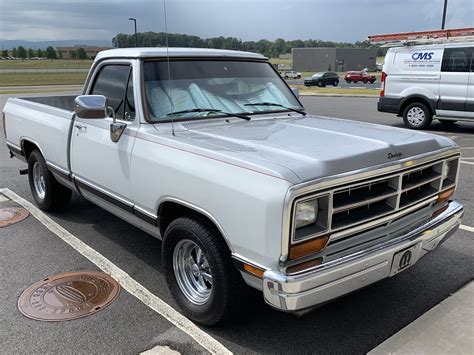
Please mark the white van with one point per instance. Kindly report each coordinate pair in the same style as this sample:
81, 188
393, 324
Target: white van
422, 83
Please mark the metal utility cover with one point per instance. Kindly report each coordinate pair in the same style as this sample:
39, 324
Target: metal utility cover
12, 215
68, 296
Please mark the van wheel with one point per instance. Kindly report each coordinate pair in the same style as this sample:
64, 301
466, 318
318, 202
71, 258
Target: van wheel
199, 271
49, 194
417, 116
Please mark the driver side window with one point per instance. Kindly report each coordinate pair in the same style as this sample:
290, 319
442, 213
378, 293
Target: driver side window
113, 82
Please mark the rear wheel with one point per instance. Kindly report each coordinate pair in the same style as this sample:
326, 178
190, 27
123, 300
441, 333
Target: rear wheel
199, 271
49, 194
417, 116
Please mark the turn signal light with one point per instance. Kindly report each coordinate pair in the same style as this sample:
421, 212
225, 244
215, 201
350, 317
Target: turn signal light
445, 195
307, 248
253, 270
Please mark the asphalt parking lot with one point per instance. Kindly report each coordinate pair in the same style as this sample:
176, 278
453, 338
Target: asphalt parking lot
34, 249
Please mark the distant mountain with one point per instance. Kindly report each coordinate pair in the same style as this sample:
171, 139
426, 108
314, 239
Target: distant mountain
9, 44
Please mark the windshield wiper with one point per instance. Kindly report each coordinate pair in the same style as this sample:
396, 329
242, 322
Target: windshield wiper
211, 110
302, 112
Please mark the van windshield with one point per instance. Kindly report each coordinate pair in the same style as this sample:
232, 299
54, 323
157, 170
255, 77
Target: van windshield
224, 85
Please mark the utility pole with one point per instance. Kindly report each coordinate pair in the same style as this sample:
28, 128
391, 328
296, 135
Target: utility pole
444, 14
135, 23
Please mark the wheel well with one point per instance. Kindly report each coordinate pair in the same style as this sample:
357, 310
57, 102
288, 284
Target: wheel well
169, 211
28, 148
412, 100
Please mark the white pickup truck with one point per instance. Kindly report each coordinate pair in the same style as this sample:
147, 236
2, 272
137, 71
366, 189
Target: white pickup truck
211, 152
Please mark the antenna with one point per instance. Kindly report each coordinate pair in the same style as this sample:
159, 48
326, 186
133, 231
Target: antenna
169, 70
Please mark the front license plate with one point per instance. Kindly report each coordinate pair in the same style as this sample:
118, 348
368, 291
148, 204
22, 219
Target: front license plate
403, 259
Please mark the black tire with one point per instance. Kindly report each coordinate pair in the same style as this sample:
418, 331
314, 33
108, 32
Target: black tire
364, 81
228, 287
372, 81
348, 81
335, 83
422, 122
298, 77
321, 84
56, 196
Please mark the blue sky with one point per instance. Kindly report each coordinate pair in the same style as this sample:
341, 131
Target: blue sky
338, 20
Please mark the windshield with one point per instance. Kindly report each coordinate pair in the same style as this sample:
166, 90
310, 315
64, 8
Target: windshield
318, 74
227, 86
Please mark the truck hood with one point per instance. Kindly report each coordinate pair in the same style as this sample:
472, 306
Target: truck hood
312, 147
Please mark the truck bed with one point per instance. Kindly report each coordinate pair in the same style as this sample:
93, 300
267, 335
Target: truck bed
45, 121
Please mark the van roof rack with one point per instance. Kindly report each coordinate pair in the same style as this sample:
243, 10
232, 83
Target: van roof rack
424, 37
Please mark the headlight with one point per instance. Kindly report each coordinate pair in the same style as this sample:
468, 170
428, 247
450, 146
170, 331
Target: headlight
310, 217
306, 213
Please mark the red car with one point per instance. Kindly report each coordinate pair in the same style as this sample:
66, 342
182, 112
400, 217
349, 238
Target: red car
355, 76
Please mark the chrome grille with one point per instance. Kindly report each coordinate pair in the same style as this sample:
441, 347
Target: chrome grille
363, 202
355, 205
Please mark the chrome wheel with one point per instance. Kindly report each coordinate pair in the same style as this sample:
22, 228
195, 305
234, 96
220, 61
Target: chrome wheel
38, 180
192, 271
416, 116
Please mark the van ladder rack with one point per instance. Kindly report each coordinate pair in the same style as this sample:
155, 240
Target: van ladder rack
424, 37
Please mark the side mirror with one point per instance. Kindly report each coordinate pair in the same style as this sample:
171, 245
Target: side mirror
296, 92
90, 106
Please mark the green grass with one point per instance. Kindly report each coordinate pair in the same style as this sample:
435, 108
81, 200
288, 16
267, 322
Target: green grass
27, 79
45, 64
335, 91
286, 62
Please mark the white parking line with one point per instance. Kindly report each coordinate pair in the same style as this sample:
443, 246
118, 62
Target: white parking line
3, 198
467, 228
467, 162
127, 282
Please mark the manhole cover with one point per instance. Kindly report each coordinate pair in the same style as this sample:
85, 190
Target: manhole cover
68, 296
12, 215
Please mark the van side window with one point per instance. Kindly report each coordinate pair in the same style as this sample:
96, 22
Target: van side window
112, 83
456, 60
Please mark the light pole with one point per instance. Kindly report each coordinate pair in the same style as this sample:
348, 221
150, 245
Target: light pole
444, 14
135, 23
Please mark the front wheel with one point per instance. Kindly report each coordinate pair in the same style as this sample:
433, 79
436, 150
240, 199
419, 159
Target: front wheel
321, 84
335, 83
48, 194
348, 81
417, 116
199, 271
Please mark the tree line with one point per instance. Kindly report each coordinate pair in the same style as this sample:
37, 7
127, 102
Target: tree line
271, 49
49, 53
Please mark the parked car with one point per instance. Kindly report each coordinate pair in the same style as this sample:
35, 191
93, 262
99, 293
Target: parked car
322, 79
291, 74
212, 153
422, 83
356, 76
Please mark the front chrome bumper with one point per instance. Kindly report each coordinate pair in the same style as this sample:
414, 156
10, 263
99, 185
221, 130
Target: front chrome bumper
334, 279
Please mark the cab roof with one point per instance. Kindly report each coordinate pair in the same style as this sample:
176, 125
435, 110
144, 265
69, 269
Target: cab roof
154, 52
